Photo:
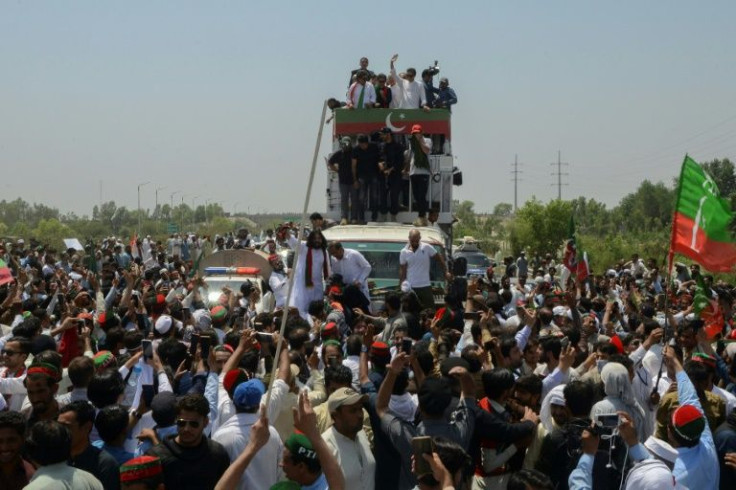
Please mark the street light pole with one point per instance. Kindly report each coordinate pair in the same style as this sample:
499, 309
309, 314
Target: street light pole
139, 205
194, 211
206, 205
156, 209
182, 213
171, 206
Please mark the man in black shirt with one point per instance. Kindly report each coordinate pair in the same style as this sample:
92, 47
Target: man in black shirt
78, 416
365, 160
189, 459
392, 163
341, 162
363, 67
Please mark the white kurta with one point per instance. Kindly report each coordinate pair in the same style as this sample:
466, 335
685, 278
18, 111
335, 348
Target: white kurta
303, 295
353, 267
355, 458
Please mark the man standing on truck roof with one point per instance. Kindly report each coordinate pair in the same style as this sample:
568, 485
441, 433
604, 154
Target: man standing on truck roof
351, 265
341, 162
415, 262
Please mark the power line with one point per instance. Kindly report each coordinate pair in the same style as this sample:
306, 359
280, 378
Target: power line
516, 180
559, 174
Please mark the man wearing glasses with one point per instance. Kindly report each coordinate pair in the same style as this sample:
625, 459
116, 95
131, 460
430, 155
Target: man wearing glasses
411, 93
14, 354
189, 459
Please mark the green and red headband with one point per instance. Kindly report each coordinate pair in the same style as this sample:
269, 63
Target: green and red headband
46, 369
140, 468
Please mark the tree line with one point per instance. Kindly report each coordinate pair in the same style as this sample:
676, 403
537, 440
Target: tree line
640, 223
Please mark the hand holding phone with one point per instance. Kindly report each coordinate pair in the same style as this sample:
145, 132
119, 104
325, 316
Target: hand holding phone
147, 349
422, 445
406, 345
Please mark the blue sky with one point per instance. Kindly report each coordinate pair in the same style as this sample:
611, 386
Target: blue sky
222, 100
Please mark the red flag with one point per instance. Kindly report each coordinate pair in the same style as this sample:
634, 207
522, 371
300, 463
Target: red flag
583, 268
6, 275
134, 245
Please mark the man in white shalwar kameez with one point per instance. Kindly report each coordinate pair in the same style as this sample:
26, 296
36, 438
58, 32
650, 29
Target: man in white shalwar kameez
312, 269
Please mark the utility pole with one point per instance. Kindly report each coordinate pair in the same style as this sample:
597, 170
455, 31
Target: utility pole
559, 174
516, 179
139, 205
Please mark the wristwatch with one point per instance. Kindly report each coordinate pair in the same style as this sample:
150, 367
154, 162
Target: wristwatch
363, 348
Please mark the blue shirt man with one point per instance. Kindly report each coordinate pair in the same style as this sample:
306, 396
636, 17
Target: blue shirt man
446, 97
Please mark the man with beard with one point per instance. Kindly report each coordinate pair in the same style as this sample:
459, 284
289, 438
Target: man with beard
562, 448
42, 383
347, 440
500, 438
312, 269
278, 281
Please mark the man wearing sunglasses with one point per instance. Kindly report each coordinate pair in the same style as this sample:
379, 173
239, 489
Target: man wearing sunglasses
189, 459
14, 356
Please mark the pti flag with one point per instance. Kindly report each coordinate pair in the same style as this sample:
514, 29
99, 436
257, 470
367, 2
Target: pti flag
707, 309
583, 268
6, 276
571, 251
702, 220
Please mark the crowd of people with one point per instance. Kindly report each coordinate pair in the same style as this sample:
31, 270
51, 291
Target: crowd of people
121, 373
367, 90
374, 171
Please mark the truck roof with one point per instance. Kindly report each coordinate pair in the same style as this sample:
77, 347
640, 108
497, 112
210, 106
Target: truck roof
389, 232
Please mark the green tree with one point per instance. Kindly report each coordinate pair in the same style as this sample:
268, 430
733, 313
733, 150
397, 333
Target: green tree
53, 232
503, 209
722, 172
540, 228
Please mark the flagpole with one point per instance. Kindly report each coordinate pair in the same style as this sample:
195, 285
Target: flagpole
671, 253
290, 286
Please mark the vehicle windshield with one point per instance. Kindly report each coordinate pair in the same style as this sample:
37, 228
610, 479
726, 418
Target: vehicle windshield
477, 261
384, 260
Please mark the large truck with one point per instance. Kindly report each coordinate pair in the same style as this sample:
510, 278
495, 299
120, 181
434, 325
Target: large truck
435, 123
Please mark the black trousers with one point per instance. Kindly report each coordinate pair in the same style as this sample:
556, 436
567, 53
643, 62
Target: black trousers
420, 186
390, 195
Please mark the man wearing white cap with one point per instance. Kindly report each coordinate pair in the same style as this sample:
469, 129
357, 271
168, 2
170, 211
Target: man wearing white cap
348, 441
